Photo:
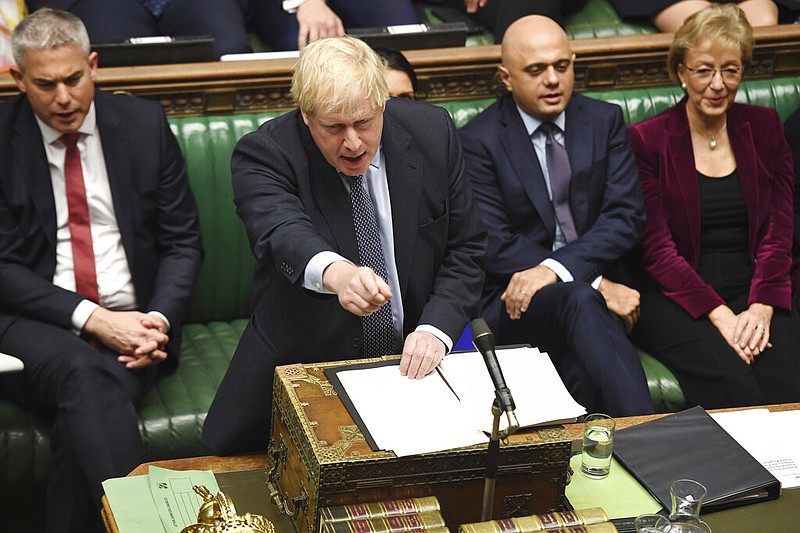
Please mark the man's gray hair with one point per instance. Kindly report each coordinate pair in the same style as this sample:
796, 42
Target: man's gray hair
47, 29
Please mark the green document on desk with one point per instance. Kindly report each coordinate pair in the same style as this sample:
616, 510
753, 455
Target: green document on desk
620, 495
162, 501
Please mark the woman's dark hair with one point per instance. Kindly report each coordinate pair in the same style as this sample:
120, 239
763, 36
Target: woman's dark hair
397, 61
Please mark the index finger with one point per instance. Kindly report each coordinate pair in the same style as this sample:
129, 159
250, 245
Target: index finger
148, 346
741, 322
429, 360
302, 37
409, 346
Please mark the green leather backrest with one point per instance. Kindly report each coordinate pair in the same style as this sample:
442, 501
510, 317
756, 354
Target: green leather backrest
782, 94
225, 284
224, 288
596, 19
599, 19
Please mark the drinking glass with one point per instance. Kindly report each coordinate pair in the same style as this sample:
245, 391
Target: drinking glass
651, 523
687, 497
598, 442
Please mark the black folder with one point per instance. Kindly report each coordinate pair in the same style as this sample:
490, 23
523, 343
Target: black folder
692, 445
413, 36
156, 51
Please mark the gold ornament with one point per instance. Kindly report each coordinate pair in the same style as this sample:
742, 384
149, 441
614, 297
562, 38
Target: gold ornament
218, 515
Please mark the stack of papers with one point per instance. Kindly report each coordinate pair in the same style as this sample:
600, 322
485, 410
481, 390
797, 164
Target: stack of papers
452, 407
770, 437
161, 502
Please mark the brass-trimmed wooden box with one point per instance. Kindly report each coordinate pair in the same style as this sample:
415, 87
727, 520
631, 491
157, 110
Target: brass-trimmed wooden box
318, 457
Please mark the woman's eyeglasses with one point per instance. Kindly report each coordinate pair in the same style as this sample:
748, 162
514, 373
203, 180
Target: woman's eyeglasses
706, 74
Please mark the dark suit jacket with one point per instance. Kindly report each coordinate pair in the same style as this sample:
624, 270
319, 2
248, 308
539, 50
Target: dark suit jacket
605, 199
294, 205
671, 237
155, 209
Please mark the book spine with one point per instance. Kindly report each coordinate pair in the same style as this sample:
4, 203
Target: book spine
540, 522
387, 524
338, 513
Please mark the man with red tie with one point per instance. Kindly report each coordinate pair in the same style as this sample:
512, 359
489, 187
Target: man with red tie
99, 249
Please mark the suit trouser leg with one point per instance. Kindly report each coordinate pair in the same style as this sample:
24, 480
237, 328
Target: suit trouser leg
92, 399
224, 20
588, 346
365, 13
708, 369
280, 29
117, 21
239, 419
127, 18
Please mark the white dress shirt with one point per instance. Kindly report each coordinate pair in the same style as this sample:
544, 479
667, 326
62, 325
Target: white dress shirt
377, 186
114, 280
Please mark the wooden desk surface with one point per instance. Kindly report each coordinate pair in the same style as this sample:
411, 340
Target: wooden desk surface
237, 474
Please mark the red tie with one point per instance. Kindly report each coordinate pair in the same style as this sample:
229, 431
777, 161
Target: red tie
79, 225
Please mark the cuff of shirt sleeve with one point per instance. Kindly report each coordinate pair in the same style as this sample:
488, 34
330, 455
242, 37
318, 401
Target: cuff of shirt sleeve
290, 6
312, 277
162, 317
81, 314
560, 270
439, 334
596, 282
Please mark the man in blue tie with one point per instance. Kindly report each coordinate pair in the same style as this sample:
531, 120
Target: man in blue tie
365, 232
118, 20
557, 187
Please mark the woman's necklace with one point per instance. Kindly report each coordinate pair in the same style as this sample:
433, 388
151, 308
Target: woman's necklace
712, 140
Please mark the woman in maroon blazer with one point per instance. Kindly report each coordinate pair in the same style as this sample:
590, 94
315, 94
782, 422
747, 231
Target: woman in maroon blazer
717, 181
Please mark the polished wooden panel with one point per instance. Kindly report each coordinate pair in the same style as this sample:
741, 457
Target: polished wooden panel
445, 74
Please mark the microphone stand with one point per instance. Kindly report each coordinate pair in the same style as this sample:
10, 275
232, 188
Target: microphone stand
493, 457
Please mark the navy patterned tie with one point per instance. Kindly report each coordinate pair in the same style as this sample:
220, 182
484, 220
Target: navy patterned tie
560, 175
156, 7
377, 327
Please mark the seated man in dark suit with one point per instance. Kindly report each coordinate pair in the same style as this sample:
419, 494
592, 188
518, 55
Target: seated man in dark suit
111, 21
99, 249
557, 187
365, 231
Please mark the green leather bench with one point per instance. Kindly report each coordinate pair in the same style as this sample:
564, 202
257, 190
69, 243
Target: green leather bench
595, 20
172, 414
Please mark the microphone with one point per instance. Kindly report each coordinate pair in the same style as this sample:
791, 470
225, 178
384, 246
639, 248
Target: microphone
483, 340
